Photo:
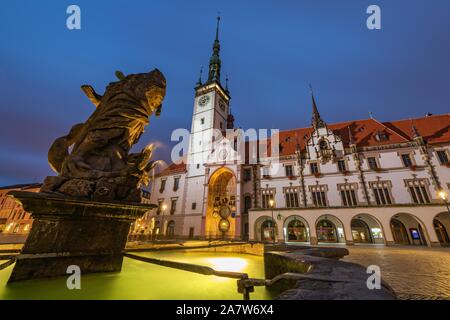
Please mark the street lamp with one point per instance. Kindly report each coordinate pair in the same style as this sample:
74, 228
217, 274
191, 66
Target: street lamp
271, 204
163, 208
443, 195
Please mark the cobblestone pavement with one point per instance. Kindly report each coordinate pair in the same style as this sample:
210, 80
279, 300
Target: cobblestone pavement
413, 272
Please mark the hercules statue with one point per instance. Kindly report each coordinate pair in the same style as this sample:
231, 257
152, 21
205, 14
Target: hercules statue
93, 160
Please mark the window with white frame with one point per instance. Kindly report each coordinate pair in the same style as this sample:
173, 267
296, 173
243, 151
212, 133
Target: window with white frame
342, 167
348, 194
318, 195
291, 196
381, 191
265, 171
314, 167
267, 195
176, 183
372, 163
406, 159
163, 185
289, 170
443, 157
418, 188
173, 205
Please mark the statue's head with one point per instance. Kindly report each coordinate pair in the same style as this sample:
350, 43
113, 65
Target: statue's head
155, 91
149, 88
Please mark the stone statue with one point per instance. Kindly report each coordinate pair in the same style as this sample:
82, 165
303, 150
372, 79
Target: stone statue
93, 160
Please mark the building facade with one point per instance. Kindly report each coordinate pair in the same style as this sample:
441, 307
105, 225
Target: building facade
360, 181
13, 218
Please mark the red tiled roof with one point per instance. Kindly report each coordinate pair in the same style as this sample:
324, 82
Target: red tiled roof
434, 129
172, 169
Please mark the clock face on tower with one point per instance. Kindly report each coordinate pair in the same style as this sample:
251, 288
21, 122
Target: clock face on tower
203, 101
222, 105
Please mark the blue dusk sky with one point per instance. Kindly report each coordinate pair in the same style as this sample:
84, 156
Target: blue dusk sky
271, 51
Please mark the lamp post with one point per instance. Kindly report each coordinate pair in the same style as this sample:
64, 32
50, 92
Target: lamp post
271, 204
443, 195
163, 208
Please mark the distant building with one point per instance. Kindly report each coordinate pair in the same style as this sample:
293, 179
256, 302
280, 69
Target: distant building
143, 225
13, 218
359, 181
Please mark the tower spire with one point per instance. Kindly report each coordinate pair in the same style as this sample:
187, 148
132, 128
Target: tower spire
316, 120
214, 61
414, 130
199, 82
217, 27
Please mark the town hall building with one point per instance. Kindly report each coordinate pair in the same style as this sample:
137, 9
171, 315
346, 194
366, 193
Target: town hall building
359, 181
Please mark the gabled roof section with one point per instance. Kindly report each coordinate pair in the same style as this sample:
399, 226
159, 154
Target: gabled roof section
434, 129
367, 132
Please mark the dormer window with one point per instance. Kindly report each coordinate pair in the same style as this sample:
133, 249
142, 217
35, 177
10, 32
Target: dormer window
381, 136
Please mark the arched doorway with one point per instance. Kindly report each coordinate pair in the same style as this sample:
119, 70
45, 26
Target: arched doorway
407, 230
366, 229
265, 229
171, 229
221, 209
399, 232
441, 224
330, 229
296, 229
360, 231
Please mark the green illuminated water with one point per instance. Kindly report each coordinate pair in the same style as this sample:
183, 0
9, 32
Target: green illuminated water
140, 280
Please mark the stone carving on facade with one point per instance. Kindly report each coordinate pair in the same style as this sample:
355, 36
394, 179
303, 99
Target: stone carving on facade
93, 160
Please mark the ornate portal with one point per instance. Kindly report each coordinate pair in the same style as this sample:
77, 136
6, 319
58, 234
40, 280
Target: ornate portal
220, 216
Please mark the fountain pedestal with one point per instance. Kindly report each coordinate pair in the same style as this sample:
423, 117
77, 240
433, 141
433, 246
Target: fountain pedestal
67, 231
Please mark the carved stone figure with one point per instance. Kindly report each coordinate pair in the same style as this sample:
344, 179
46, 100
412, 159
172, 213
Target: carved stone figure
93, 160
